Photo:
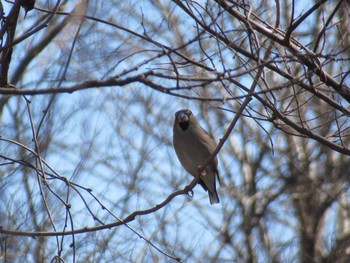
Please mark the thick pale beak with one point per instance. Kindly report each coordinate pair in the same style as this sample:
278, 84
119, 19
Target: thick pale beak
182, 117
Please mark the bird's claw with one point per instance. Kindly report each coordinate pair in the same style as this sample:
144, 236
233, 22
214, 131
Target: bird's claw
190, 193
201, 171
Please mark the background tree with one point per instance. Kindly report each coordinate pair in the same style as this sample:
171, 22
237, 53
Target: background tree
88, 95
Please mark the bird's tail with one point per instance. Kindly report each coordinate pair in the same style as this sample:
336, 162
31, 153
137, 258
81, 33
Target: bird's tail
213, 198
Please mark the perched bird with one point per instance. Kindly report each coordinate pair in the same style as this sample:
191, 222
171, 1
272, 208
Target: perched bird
193, 147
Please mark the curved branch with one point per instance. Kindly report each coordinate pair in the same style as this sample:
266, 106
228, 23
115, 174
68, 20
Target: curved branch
124, 221
309, 58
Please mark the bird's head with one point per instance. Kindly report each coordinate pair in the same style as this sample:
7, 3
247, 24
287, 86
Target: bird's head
183, 118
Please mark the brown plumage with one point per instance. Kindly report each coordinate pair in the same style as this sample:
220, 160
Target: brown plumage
193, 147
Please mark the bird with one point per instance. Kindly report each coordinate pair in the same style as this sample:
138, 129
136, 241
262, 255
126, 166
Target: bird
193, 147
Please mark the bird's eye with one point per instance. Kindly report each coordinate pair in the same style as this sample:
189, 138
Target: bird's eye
189, 113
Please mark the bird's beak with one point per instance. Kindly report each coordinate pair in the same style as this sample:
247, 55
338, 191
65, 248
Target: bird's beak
182, 117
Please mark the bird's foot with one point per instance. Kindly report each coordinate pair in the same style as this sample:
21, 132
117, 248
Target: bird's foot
190, 193
201, 171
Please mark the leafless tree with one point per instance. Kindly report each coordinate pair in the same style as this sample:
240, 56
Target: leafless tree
88, 92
